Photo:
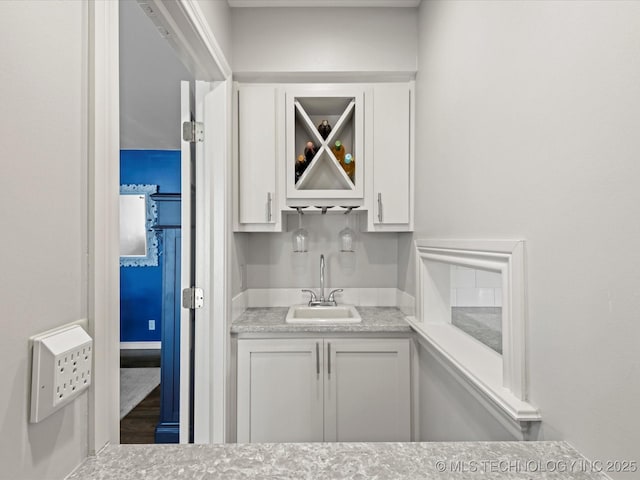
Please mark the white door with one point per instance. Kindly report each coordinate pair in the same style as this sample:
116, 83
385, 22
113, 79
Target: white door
367, 390
280, 390
257, 155
205, 226
391, 150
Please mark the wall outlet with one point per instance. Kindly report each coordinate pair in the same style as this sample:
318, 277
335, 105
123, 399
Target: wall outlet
152, 324
61, 369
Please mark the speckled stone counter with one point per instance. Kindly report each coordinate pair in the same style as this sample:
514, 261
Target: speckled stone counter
271, 320
471, 460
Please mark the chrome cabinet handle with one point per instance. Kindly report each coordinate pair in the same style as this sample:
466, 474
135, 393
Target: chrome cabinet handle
318, 358
329, 358
269, 202
379, 207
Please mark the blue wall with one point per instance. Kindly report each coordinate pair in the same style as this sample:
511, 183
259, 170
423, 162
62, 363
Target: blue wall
141, 287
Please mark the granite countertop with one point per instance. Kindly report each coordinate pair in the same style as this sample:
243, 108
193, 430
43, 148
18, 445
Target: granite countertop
271, 320
434, 460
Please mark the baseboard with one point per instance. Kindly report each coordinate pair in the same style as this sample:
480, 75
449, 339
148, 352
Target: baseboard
140, 345
168, 432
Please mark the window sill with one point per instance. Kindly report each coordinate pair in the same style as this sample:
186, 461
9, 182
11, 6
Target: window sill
479, 370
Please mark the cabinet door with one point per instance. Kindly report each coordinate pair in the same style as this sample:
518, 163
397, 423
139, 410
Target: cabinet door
392, 190
258, 202
367, 390
280, 390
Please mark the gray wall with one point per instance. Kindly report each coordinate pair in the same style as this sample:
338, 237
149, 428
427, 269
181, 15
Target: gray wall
528, 116
43, 193
150, 75
217, 14
448, 412
324, 39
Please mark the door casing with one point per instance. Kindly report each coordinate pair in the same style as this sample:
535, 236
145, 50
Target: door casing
195, 45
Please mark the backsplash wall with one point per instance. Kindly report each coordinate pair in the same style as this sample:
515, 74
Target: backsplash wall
475, 288
271, 263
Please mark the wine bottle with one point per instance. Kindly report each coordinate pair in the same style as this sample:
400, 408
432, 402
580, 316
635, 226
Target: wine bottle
350, 166
324, 129
309, 151
338, 151
301, 166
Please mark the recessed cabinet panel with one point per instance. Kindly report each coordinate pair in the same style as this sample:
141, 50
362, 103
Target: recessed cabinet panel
392, 186
280, 390
367, 391
257, 155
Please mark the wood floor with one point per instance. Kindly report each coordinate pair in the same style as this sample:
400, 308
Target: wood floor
139, 425
139, 358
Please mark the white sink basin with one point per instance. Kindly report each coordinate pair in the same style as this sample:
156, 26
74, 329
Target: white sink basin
323, 315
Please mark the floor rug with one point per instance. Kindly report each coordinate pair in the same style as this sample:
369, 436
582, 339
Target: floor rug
135, 385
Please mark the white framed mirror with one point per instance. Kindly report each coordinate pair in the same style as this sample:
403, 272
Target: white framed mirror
138, 214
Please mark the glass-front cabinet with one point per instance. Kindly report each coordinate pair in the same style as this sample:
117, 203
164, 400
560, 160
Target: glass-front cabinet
324, 146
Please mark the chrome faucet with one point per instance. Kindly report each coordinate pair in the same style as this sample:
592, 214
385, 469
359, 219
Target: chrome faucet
321, 276
314, 301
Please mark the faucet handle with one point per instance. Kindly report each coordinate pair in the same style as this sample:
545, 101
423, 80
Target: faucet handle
313, 295
333, 292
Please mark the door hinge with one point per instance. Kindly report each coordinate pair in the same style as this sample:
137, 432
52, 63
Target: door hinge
192, 298
193, 132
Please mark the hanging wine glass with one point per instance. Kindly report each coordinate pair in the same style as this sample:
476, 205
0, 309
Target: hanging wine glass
300, 237
347, 236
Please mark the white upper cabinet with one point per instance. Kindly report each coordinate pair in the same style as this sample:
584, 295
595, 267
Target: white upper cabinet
324, 145
256, 166
390, 157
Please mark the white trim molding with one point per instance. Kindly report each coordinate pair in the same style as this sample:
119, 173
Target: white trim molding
500, 379
103, 121
184, 26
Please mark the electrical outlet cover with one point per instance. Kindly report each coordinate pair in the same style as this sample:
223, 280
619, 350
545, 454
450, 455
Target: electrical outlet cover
61, 369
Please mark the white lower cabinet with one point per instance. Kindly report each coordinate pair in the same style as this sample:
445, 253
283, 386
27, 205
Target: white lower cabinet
324, 389
280, 393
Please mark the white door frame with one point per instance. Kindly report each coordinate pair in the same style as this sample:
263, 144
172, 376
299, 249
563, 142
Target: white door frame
103, 290
195, 44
